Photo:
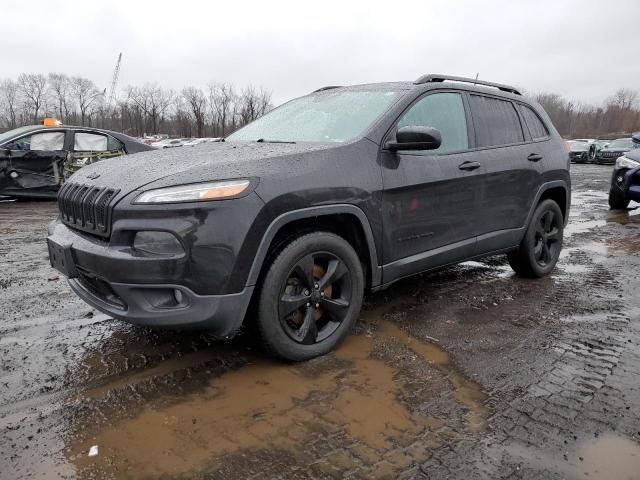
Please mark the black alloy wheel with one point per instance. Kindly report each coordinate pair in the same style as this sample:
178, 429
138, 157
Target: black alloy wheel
540, 248
547, 238
310, 296
315, 298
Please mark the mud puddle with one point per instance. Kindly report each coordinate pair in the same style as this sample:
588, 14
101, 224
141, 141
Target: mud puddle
608, 456
276, 406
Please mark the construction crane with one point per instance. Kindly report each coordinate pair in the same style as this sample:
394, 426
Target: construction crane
114, 82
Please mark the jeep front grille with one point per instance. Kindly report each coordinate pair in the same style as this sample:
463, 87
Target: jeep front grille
86, 208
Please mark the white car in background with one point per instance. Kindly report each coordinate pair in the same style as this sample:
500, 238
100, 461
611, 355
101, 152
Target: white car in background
170, 142
194, 141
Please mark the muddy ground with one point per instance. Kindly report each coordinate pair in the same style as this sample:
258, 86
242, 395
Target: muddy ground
466, 373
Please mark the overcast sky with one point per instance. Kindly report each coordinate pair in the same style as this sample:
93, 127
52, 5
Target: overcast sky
582, 49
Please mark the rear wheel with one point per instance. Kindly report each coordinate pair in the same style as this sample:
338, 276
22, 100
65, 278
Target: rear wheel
617, 200
311, 297
540, 248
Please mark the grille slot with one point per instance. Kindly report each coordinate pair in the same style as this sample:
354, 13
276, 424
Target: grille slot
87, 208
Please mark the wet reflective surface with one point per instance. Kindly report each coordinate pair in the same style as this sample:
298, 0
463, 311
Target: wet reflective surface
469, 372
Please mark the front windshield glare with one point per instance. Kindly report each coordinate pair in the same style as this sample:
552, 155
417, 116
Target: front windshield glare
322, 117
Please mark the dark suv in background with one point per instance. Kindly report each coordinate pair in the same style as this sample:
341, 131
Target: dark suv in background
296, 215
625, 180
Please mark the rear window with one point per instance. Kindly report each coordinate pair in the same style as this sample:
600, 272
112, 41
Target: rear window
536, 128
496, 122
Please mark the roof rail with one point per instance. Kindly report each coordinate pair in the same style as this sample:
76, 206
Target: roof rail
327, 88
431, 78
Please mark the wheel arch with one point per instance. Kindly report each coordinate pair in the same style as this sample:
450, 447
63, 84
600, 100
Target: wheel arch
346, 220
556, 190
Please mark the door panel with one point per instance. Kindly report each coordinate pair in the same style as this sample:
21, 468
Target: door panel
428, 202
509, 178
430, 205
32, 164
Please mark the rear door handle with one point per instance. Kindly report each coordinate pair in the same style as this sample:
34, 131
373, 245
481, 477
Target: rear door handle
469, 166
534, 157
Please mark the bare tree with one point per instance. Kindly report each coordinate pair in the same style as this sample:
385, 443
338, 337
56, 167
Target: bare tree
60, 85
85, 94
197, 102
153, 100
9, 101
222, 98
33, 87
624, 99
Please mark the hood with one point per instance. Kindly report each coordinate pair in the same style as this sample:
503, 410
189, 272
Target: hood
616, 149
633, 154
175, 166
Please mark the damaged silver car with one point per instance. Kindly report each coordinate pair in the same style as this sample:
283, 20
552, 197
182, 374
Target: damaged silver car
35, 160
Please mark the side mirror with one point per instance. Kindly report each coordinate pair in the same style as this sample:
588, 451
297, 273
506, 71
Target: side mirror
414, 137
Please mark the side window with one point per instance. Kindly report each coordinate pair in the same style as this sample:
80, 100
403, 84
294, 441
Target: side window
444, 111
90, 142
113, 144
496, 121
45, 141
537, 129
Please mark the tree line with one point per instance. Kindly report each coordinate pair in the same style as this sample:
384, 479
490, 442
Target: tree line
619, 115
220, 108
149, 109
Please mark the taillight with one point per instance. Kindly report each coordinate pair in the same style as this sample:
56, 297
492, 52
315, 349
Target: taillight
567, 146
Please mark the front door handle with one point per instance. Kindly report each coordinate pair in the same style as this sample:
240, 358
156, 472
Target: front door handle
469, 166
534, 157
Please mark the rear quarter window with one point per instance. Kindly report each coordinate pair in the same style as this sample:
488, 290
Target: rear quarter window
496, 121
536, 127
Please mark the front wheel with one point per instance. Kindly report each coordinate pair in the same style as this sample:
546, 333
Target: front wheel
311, 297
540, 248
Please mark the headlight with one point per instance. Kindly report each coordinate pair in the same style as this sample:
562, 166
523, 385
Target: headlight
624, 162
194, 192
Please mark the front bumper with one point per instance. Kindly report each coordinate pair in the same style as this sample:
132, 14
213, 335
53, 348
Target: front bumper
158, 304
607, 158
579, 157
204, 285
627, 182
155, 305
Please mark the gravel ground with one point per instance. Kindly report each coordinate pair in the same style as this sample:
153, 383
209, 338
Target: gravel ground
469, 372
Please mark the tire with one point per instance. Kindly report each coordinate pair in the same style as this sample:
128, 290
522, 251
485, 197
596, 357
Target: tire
310, 297
540, 248
617, 200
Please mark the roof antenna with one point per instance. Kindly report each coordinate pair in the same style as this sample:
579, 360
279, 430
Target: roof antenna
477, 76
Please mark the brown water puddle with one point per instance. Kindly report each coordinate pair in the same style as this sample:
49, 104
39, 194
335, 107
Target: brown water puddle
625, 245
607, 457
610, 457
271, 405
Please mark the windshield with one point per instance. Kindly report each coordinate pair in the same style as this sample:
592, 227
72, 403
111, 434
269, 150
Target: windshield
621, 143
12, 133
323, 117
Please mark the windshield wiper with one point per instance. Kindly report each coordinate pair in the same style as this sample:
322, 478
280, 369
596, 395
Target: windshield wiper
262, 140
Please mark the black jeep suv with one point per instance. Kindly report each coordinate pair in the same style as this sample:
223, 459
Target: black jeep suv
294, 216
